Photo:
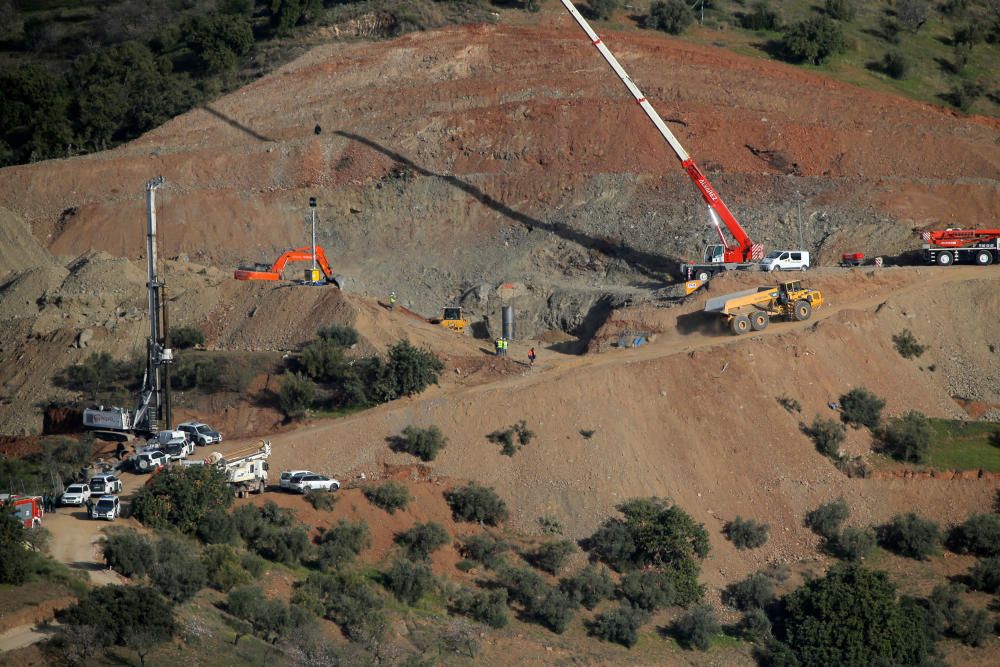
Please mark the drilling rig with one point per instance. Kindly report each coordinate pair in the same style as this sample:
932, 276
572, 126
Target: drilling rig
153, 412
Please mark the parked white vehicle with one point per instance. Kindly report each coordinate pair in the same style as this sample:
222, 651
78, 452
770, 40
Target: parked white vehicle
148, 461
76, 494
105, 484
287, 476
107, 507
200, 434
313, 482
786, 260
175, 444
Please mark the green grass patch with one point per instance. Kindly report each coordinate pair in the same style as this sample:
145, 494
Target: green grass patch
963, 445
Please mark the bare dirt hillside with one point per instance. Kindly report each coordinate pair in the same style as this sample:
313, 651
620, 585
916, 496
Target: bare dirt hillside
460, 158
694, 416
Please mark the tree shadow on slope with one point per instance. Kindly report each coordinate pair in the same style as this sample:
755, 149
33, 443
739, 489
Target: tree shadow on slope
652, 266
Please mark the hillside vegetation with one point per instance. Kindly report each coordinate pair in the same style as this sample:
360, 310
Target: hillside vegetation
78, 76
938, 52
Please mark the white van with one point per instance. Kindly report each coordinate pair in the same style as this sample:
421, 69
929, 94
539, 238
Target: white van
786, 260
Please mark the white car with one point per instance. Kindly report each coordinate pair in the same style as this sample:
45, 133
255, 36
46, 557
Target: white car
107, 507
785, 260
105, 484
149, 461
288, 476
200, 434
76, 494
313, 482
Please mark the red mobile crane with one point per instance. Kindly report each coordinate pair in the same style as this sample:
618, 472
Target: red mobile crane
718, 257
950, 246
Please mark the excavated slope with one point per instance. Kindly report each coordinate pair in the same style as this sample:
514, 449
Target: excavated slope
473, 155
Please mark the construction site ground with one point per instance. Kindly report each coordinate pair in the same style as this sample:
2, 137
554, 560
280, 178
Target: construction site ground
502, 164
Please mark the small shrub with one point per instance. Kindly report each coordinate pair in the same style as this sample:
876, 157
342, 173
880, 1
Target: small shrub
296, 395
342, 335
601, 9
979, 535
754, 592
551, 525
588, 586
860, 407
409, 581
223, 567
827, 435
554, 610
761, 17
973, 627
183, 338
523, 586
842, 10
128, 553
746, 533
908, 438
340, 544
420, 541
489, 607
389, 496
905, 342
476, 503
985, 575
896, 65
321, 500
552, 555
465, 565
912, 14
671, 16
911, 535
694, 628
813, 40
485, 548
789, 404
619, 625
506, 438
253, 564
217, 527
826, 519
755, 626
648, 590
424, 443
853, 544
178, 572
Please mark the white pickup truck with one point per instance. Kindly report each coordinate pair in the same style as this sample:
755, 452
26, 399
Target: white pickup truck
175, 444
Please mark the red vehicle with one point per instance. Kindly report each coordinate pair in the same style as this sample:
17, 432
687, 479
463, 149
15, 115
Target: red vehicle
26, 508
952, 246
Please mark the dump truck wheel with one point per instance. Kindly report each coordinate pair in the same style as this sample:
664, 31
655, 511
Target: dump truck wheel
703, 276
984, 258
739, 325
759, 320
802, 311
944, 259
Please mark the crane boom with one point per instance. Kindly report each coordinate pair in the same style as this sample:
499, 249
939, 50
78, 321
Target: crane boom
745, 250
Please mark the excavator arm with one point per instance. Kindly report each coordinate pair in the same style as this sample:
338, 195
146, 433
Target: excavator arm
297, 255
744, 250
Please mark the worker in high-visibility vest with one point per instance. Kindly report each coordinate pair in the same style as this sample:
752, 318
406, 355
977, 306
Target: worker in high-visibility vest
392, 300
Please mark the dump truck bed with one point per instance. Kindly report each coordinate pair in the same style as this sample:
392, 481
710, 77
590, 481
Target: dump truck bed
727, 302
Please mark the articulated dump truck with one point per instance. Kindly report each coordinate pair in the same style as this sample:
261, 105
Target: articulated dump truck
752, 310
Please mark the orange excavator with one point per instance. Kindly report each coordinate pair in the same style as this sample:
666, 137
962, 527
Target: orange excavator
274, 271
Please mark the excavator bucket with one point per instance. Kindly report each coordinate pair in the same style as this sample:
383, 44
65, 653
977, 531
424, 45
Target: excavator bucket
338, 280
